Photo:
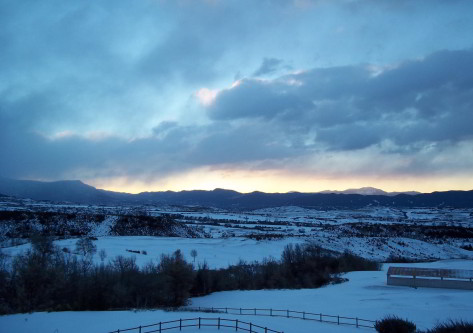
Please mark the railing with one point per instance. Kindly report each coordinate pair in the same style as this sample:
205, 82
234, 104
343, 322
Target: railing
320, 317
199, 322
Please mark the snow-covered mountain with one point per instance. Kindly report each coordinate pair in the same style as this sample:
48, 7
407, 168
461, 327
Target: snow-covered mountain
369, 191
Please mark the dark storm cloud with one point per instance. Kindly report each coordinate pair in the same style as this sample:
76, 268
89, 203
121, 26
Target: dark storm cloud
95, 59
255, 98
344, 108
355, 107
105, 88
171, 148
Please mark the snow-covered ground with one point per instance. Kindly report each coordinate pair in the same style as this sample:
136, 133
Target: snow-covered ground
218, 253
221, 252
365, 295
372, 232
380, 248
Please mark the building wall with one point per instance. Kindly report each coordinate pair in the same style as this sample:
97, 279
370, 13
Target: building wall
430, 283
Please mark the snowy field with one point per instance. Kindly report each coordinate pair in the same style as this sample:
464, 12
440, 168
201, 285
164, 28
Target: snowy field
231, 250
381, 215
218, 253
221, 252
365, 295
372, 232
380, 248
227, 237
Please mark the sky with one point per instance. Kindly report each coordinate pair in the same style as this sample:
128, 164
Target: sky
276, 96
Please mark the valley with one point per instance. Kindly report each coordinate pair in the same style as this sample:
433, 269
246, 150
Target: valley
379, 233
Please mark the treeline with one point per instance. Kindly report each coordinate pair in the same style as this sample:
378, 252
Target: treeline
24, 224
48, 279
300, 266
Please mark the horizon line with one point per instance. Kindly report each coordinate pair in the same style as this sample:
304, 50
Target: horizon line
328, 191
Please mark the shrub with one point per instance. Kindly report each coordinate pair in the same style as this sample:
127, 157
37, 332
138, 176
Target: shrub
398, 259
453, 326
393, 324
86, 247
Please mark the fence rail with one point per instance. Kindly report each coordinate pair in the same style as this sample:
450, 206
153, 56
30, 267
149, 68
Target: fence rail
320, 317
198, 322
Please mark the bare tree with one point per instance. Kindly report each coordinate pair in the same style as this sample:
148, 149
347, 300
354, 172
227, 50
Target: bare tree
194, 254
102, 254
86, 247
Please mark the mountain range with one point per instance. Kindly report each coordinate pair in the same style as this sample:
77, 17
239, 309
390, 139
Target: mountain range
75, 191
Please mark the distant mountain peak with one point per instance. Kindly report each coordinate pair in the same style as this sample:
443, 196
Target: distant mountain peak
368, 190
218, 189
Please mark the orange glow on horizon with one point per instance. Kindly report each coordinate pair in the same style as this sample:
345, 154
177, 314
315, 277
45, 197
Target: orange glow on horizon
274, 181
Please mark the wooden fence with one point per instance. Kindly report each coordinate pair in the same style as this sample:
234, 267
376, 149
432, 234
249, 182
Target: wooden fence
320, 317
199, 323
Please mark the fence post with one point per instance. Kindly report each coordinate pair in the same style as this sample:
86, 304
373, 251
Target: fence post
218, 322
287, 314
180, 324
321, 316
140, 329
159, 327
357, 322
265, 330
303, 315
199, 323
236, 325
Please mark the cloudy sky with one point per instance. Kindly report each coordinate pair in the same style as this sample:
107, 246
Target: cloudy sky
250, 95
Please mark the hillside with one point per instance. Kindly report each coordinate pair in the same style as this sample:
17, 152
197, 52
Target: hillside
78, 192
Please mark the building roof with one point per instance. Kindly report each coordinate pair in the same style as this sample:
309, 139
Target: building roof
432, 272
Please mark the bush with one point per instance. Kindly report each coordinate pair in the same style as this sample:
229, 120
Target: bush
393, 324
453, 326
86, 247
398, 259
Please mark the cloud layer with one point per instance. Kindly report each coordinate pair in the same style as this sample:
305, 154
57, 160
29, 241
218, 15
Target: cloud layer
151, 89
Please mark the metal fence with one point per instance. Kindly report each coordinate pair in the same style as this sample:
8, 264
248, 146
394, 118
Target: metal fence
199, 323
320, 317
430, 277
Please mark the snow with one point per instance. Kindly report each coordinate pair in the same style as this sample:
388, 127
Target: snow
365, 295
103, 322
218, 253
104, 228
380, 248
